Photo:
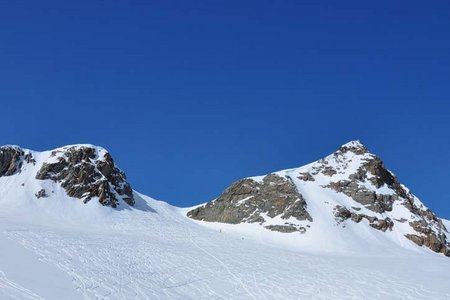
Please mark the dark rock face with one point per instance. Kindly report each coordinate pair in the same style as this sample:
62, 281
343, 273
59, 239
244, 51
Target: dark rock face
429, 238
376, 202
11, 159
342, 214
285, 228
381, 175
432, 241
371, 170
429, 229
28, 157
84, 175
246, 200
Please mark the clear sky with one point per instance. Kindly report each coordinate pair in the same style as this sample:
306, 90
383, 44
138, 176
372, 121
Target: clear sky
189, 96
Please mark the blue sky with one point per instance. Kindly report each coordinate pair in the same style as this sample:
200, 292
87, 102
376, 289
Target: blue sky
189, 96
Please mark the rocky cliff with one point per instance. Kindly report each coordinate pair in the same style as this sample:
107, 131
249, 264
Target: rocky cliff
350, 185
249, 200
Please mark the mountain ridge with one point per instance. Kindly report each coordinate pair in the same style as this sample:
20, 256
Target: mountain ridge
74, 248
336, 198
357, 187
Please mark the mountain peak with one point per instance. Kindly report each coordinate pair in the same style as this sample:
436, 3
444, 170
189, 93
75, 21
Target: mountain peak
84, 171
354, 146
78, 146
348, 189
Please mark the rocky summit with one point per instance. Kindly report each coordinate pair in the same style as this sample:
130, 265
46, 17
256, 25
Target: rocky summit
83, 171
351, 187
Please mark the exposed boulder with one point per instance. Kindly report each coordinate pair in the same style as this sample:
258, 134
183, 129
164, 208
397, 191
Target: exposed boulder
85, 172
248, 200
41, 194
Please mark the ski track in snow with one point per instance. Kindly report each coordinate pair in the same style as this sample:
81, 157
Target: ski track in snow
179, 259
13, 290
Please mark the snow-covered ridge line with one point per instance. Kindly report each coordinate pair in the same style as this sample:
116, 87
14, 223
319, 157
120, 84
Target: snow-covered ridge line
346, 191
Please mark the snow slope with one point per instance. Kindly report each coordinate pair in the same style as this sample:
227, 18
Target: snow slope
60, 248
160, 254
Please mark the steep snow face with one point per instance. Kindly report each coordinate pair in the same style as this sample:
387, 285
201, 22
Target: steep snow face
83, 172
348, 197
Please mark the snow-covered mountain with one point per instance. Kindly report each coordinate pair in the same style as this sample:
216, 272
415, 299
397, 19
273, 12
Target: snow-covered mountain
342, 192
84, 171
71, 227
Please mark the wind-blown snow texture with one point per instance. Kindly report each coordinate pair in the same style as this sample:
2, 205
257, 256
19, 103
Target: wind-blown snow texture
58, 247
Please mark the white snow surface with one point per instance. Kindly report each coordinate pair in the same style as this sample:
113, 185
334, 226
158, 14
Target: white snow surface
60, 248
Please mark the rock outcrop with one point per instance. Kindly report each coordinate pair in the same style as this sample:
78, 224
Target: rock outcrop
11, 159
343, 214
41, 194
430, 234
371, 171
86, 172
251, 201
363, 187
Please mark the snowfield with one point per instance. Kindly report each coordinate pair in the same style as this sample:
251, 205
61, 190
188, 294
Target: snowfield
57, 247
153, 251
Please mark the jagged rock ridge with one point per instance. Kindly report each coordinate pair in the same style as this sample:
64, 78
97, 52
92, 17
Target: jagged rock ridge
428, 228
365, 193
